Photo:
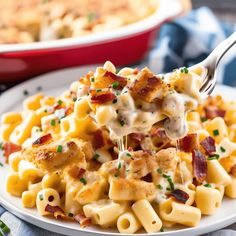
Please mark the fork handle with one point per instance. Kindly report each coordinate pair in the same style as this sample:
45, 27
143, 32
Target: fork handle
218, 53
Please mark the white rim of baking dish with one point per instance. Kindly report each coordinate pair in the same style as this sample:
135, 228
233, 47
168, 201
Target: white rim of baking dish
166, 10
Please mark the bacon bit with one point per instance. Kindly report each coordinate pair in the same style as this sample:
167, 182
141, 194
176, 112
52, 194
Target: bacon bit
188, 143
158, 132
122, 80
83, 220
10, 148
180, 195
209, 145
214, 111
42, 140
137, 137
199, 165
136, 71
98, 139
53, 209
76, 172
103, 98
233, 170
130, 149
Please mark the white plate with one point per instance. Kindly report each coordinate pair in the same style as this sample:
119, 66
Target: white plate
52, 84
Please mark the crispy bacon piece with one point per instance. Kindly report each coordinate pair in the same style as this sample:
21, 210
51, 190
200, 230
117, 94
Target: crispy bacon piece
98, 139
42, 140
148, 86
103, 98
76, 172
233, 170
213, 111
113, 77
209, 145
199, 165
9, 148
188, 143
56, 211
137, 137
180, 195
83, 220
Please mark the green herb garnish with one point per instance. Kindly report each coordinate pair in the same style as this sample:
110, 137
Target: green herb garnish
70, 214
216, 132
159, 187
96, 156
207, 185
59, 102
41, 197
83, 180
25, 92
122, 123
184, 70
213, 157
203, 119
159, 171
53, 122
115, 85
59, 148
222, 149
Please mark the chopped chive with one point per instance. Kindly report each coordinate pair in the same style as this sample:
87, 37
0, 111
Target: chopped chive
122, 123
25, 92
207, 185
184, 70
41, 197
59, 102
222, 149
45, 110
92, 79
53, 122
83, 180
168, 188
70, 214
161, 230
1, 146
159, 187
74, 99
90, 17
116, 175
159, 171
115, 85
166, 176
98, 90
128, 154
213, 157
162, 77
119, 166
96, 156
216, 132
1, 164
59, 148
203, 119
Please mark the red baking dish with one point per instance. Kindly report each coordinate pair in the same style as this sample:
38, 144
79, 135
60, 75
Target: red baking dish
122, 46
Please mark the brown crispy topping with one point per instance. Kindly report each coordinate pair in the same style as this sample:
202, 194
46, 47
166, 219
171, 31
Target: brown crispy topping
199, 165
10, 148
103, 98
98, 139
188, 143
180, 195
83, 220
214, 111
209, 145
42, 140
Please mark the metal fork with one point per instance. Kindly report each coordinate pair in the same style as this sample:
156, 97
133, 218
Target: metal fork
211, 63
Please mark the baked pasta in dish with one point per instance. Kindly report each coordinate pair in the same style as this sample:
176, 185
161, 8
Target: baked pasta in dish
127, 149
41, 20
